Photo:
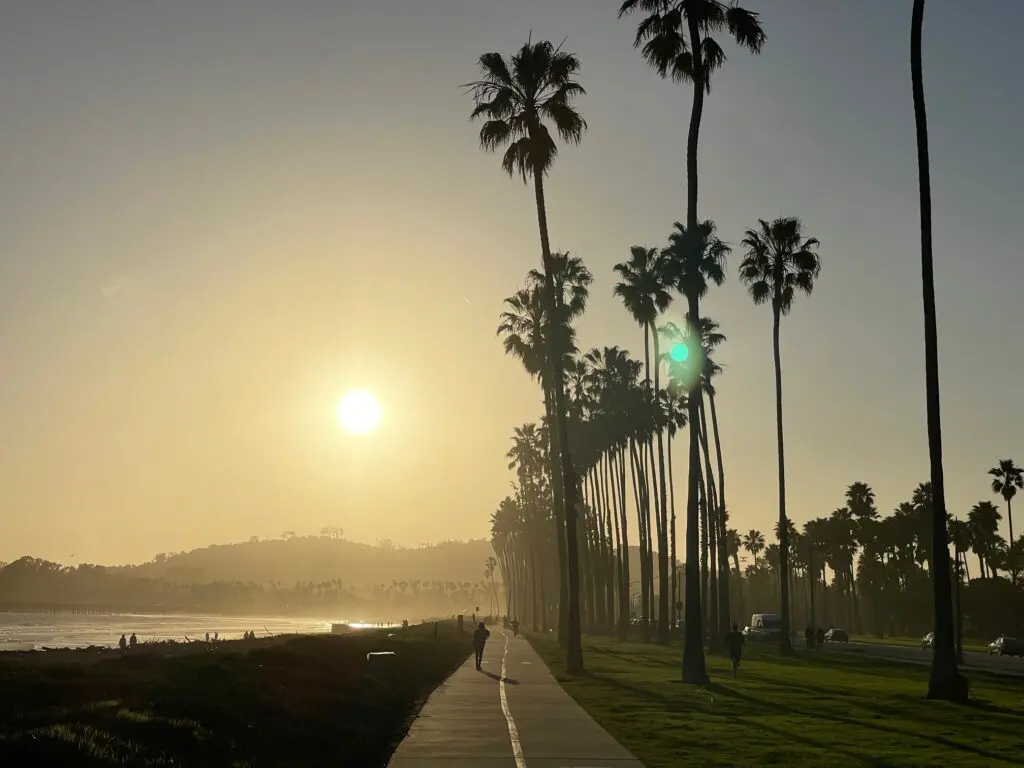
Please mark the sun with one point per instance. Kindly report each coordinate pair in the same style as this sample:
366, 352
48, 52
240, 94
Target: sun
359, 412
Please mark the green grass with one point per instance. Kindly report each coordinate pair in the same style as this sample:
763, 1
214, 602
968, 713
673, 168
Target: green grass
812, 710
914, 642
308, 701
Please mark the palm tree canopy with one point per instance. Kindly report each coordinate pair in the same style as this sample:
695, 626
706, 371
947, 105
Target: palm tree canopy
1007, 479
695, 259
779, 262
642, 289
518, 97
664, 35
572, 280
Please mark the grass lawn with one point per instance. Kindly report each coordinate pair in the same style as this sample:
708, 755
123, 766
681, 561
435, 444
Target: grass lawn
914, 642
306, 701
812, 710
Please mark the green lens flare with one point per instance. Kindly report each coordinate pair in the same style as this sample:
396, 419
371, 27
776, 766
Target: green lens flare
679, 353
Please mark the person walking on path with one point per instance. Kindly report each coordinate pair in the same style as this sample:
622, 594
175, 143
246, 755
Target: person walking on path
480, 635
734, 642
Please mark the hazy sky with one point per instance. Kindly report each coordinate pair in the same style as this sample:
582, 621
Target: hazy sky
219, 216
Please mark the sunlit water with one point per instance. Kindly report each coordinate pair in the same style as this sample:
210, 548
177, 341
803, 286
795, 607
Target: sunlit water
25, 631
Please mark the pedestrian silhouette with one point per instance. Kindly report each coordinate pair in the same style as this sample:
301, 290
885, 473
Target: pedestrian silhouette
480, 636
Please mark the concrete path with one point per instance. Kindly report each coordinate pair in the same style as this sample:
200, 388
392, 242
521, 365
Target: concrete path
513, 714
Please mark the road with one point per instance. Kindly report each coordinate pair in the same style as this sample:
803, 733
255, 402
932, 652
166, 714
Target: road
1001, 665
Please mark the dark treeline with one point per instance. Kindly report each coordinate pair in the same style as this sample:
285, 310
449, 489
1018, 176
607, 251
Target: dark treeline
605, 442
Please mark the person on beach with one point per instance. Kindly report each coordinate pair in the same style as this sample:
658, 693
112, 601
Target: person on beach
133, 641
122, 643
480, 636
734, 641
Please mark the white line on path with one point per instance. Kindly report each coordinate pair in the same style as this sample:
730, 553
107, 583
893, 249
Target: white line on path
513, 732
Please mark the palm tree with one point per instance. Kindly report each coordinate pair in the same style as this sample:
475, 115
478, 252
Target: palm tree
779, 262
676, 39
525, 330
753, 542
517, 98
694, 258
645, 296
1007, 479
983, 527
945, 682
490, 566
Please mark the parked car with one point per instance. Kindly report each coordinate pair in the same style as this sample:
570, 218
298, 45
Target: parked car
928, 641
835, 635
1006, 646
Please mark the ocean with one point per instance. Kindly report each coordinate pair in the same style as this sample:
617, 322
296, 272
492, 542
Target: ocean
27, 631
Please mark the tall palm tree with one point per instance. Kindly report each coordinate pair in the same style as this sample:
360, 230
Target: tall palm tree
1007, 479
525, 328
753, 542
677, 41
694, 258
779, 262
945, 681
644, 293
571, 281
983, 525
517, 98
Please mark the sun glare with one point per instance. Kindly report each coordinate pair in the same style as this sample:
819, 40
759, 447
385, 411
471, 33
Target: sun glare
359, 412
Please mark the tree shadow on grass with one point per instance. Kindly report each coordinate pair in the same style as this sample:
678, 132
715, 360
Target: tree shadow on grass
778, 706
673, 705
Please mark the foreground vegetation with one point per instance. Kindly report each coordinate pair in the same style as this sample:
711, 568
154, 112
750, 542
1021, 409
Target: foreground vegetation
810, 710
308, 701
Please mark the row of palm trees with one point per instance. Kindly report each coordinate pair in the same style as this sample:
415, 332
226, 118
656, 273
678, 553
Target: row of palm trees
878, 565
525, 101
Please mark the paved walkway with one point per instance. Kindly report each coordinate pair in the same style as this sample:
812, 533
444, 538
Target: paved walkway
513, 714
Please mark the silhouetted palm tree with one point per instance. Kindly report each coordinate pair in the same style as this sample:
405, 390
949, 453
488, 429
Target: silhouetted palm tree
753, 542
676, 40
779, 262
1007, 479
517, 98
945, 682
644, 293
694, 258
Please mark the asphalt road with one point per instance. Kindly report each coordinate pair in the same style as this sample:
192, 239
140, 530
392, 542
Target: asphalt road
1000, 665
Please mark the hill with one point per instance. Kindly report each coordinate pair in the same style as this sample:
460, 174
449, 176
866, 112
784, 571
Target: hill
318, 559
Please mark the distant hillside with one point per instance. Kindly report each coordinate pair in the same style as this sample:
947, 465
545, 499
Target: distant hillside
318, 559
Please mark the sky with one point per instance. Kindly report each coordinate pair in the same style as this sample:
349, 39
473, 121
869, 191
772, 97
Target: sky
217, 217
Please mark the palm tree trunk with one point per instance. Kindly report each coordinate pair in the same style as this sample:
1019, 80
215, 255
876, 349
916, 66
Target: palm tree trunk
716, 541
624, 596
785, 646
558, 499
694, 668
724, 609
574, 641
674, 608
663, 575
945, 683
639, 484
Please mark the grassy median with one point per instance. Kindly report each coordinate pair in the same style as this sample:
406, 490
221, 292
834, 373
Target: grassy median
818, 709
305, 701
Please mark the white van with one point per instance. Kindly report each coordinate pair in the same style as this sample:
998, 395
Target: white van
764, 626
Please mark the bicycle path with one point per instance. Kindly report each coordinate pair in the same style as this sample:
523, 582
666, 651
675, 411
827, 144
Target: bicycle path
512, 714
